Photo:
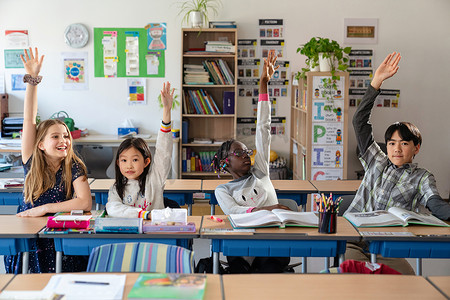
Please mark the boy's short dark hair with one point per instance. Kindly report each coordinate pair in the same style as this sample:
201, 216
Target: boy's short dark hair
407, 131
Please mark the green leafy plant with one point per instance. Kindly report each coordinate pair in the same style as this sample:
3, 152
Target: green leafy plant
312, 56
202, 6
331, 50
175, 102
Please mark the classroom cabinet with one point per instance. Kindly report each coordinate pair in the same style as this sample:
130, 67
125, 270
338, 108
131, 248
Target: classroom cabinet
319, 127
208, 112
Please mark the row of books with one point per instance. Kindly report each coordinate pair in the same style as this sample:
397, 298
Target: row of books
222, 24
196, 74
220, 47
199, 102
219, 71
197, 161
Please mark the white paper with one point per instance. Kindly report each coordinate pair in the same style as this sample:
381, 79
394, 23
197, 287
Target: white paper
64, 284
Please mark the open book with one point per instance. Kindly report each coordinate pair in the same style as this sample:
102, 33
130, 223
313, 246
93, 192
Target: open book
11, 183
274, 218
394, 216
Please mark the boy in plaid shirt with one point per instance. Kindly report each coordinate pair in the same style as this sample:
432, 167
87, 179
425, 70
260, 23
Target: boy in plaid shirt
391, 180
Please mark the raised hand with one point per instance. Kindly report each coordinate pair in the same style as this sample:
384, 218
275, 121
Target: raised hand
269, 66
167, 96
387, 69
32, 63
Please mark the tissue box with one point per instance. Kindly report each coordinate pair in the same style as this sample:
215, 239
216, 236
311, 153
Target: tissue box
126, 130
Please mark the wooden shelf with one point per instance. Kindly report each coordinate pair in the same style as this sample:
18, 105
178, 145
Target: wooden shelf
205, 126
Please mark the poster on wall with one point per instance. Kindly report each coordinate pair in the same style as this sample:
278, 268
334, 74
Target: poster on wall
247, 48
156, 36
272, 45
327, 156
327, 133
74, 65
326, 174
136, 91
12, 59
17, 83
388, 98
271, 28
123, 52
327, 111
16, 39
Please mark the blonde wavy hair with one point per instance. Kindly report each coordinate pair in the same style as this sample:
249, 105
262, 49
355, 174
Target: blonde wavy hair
40, 177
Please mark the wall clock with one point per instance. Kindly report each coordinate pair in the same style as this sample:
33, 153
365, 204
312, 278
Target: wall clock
76, 35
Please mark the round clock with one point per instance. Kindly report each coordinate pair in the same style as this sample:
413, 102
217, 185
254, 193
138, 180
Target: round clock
76, 35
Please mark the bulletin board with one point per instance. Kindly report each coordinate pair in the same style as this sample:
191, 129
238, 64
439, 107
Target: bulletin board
144, 52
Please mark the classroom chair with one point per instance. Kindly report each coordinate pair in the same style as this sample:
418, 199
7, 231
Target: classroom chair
141, 257
289, 203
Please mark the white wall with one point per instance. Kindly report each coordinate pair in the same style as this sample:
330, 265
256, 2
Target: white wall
418, 29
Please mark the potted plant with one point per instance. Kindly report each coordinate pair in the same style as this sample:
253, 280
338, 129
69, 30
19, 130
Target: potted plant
331, 52
196, 11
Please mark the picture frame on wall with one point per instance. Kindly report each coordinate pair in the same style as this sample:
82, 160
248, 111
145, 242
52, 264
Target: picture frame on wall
360, 31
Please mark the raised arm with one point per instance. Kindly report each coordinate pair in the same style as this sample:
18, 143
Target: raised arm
167, 100
361, 124
263, 138
32, 65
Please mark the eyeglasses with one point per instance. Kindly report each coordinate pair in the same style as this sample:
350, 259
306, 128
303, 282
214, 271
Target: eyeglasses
240, 153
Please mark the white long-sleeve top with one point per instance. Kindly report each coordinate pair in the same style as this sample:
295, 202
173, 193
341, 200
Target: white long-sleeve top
134, 203
255, 189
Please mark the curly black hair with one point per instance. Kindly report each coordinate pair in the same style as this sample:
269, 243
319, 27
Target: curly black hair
218, 163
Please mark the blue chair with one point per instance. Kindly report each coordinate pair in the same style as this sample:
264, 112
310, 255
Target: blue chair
141, 257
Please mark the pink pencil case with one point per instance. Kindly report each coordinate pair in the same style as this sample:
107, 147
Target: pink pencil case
79, 224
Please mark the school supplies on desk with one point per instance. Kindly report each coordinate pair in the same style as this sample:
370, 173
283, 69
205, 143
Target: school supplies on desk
69, 221
168, 286
168, 227
118, 225
328, 209
275, 218
67, 231
11, 183
394, 216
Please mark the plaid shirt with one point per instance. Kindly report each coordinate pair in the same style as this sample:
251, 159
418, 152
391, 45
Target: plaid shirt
385, 185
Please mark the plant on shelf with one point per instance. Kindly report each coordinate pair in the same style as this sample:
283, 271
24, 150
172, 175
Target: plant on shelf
195, 11
312, 57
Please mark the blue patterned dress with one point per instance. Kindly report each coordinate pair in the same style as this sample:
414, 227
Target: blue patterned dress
42, 257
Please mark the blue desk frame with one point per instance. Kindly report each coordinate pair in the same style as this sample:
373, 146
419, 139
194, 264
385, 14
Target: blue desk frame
15, 245
437, 247
83, 244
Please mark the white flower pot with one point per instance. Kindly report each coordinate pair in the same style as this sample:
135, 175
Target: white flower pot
196, 19
313, 69
325, 63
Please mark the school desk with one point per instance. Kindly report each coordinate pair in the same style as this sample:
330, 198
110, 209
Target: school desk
442, 283
82, 243
287, 189
426, 242
105, 140
179, 190
327, 286
16, 234
5, 279
213, 289
289, 242
10, 199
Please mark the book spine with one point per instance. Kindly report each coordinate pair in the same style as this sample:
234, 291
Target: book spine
188, 159
226, 72
228, 102
198, 109
184, 162
214, 103
206, 100
217, 70
203, 103
193, 169
210, 71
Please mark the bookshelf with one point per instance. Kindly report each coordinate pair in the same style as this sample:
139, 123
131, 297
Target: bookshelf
203, 129
319, 128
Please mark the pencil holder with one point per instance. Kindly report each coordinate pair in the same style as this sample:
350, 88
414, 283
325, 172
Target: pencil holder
327, 222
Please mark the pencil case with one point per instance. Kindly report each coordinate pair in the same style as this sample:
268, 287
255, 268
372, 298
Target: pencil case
79, 224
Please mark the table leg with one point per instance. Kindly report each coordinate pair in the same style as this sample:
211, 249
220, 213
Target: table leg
418, 266
341, 258
58, 261
373, 258
213, 209
25, 260
189, 209
215, 262
304, 266
327, 263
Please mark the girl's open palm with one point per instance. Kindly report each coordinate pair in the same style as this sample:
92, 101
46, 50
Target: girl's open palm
32, 63
167, 96
269, 66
